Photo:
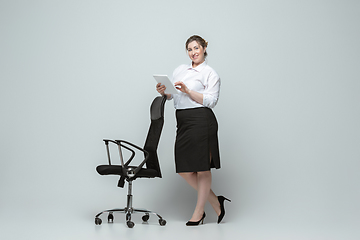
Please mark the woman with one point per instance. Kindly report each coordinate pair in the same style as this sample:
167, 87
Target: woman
196, 145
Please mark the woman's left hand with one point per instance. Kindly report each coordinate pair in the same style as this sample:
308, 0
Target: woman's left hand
182, 87
197, 97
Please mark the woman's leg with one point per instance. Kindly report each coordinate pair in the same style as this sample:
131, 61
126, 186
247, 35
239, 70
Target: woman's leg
204, 186
202, 179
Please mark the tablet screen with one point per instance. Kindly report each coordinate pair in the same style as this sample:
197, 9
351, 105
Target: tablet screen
164, 80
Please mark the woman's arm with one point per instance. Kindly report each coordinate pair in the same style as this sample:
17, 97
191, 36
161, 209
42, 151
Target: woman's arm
197, 97
212, 90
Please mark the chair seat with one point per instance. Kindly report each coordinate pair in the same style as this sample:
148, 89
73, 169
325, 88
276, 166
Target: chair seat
117, 170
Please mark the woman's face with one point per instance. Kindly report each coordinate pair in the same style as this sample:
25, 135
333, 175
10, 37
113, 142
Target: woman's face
196, 53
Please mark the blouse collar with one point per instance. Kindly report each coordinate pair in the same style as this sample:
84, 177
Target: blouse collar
199, 67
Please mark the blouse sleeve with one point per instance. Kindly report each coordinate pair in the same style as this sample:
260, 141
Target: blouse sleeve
212, 90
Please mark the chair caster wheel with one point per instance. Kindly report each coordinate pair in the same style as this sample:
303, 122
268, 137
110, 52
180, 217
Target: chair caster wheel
130, 224
110, 218
98, 221
145, 218
162, 222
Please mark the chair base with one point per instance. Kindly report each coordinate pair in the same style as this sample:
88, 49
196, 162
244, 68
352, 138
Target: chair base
128, 211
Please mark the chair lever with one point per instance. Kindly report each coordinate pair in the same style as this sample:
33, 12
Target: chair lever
121, 182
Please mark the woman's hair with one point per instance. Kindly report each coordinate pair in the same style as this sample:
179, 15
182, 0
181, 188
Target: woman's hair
199, 40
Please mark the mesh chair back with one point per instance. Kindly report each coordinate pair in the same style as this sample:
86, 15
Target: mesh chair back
153, 137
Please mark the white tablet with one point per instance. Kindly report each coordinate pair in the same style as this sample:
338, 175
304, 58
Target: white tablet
164, 80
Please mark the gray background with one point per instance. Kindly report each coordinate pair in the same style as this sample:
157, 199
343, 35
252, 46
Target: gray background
75, 72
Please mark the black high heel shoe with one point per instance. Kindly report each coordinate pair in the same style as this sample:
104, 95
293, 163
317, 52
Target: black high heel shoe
221, 200
190, 223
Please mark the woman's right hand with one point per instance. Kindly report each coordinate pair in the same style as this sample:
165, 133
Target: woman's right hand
160, 88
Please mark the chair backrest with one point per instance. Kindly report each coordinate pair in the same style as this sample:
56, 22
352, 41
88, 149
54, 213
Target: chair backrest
154, 133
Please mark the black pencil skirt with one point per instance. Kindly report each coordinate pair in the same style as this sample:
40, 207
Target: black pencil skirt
196, 140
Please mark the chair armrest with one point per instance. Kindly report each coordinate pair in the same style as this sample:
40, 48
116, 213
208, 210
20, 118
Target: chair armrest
146, 153
121, 143
108, 153
132, 154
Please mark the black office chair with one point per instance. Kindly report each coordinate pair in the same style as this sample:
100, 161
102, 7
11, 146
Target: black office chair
130, 173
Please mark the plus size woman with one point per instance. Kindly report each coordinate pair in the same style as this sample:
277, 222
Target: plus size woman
196, 144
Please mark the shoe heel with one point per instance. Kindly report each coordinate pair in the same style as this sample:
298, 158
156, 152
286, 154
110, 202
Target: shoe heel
221, 200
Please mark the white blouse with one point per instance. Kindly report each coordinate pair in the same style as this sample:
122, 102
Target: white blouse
202, 79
